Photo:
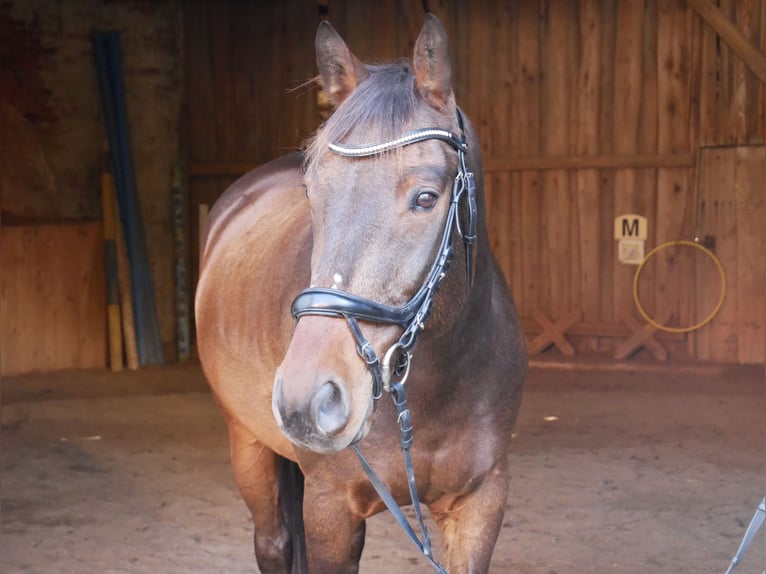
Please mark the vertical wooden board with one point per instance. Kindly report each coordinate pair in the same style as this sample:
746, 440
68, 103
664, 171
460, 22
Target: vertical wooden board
515, 249
749, 21
478, 97
410, 18
646, 179
675, 208
606, 187
707, 86
557, 57
628, 66
503, 246
272, 50
585, 183
511, 146
52, 294
365, 39
222, 109
199, 83
717, 218
526, 115
299, 105
751, 263
501, 131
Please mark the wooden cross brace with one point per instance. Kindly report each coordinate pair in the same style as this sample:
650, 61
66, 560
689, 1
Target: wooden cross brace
553, 333
643, 336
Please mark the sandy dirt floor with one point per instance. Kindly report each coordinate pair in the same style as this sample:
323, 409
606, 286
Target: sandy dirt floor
638, 472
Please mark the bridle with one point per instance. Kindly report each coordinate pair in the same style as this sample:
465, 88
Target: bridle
411, 317
391, 373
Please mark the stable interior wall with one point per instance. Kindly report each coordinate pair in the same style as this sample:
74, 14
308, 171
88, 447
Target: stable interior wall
52, 130
586, 110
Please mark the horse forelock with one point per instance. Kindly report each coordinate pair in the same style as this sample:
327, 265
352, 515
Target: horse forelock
380, 109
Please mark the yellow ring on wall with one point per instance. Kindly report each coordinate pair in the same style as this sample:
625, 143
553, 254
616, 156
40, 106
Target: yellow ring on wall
707, 319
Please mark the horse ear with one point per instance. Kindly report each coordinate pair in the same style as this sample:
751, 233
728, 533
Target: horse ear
433, 69
339, 69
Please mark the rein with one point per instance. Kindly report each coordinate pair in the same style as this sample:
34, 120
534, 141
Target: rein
391, 373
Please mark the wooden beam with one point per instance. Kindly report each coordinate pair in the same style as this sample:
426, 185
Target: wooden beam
751, 56
590, 329
236, 169
553, 333
643, 336
220, 169
588, 162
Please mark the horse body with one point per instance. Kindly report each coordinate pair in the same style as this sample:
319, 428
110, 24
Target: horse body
302, 393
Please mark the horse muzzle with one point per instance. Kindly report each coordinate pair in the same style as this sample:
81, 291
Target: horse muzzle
322, 397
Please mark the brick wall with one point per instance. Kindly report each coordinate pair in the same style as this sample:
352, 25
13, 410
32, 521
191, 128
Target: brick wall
51, 125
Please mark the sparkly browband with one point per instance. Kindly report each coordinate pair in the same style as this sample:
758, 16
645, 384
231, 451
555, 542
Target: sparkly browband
407, 139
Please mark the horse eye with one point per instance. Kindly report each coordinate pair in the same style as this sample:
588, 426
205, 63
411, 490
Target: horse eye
426, 200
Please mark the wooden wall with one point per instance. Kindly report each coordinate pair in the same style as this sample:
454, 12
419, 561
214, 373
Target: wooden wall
52, 297
586, 110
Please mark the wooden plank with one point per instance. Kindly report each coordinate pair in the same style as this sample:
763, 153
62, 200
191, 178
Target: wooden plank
717, 341
594, 329
607, 88
627, 119
673, 287
526, 115
557, 56
126, 294
52, 297
586, 182
754, 59
751, 263
299, 102
709, 78
645, 196
108, 201
492, 165
619, 161
504, 141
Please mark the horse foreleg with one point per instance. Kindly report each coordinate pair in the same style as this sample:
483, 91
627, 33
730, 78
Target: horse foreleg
470, 523
334, 535
256, 472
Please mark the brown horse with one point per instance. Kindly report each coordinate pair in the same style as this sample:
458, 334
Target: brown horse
360, 238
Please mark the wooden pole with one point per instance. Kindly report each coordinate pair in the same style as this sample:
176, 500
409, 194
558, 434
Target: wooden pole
123, 276
112, 279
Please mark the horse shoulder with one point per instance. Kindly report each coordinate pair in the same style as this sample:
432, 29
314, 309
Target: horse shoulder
256, 258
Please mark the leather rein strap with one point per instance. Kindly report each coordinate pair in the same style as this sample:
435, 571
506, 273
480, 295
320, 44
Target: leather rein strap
390, 374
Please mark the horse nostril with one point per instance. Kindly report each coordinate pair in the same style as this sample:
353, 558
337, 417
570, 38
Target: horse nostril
330, 408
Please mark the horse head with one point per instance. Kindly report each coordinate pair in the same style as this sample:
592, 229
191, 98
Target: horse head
381, 182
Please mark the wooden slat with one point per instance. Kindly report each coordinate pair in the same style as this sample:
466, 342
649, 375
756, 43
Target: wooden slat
557, 90
586, 182
672, 283
754, 59
627, 120
717, 341
594, 329
751, 263
491, 165
624, 161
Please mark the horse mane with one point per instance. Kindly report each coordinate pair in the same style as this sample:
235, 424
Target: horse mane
383, 103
